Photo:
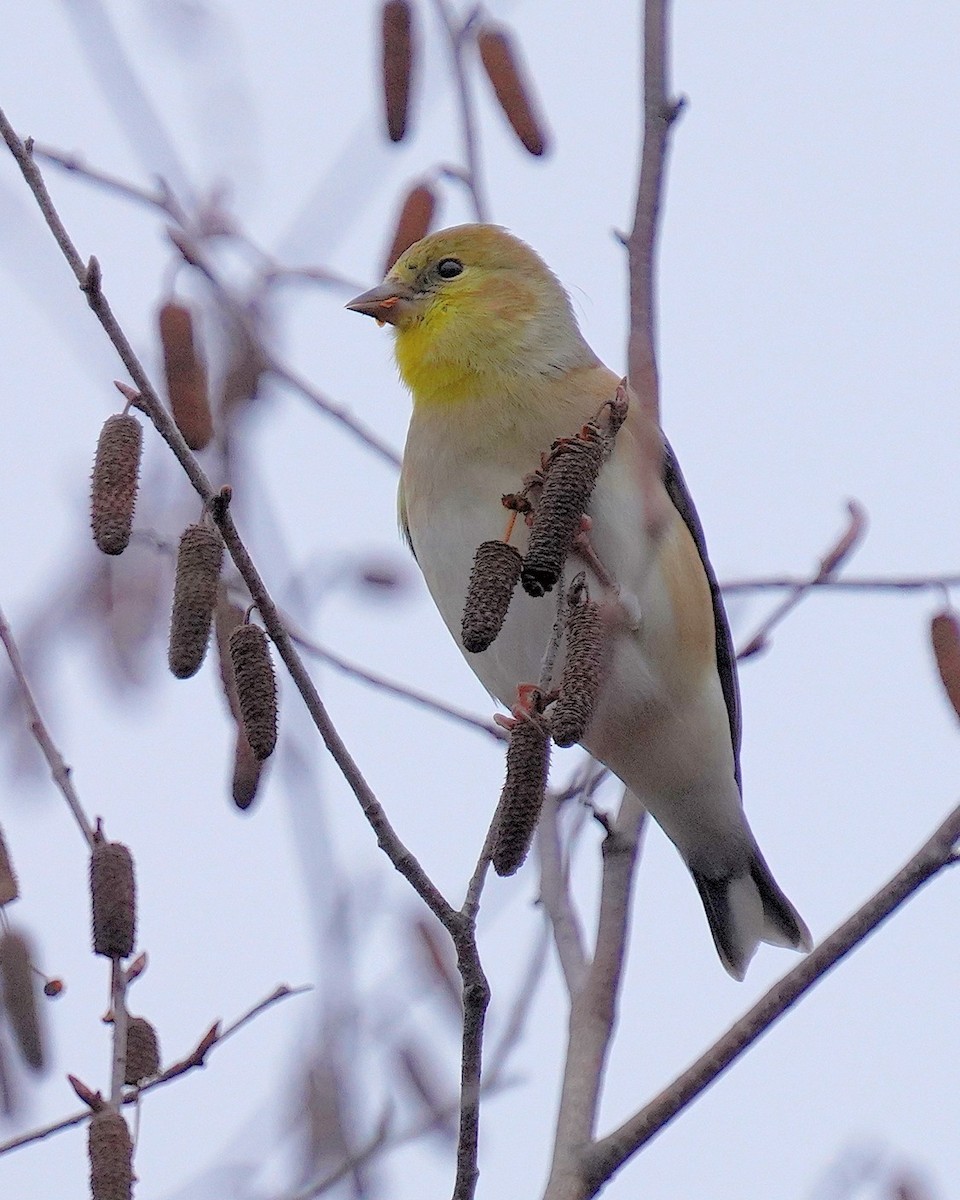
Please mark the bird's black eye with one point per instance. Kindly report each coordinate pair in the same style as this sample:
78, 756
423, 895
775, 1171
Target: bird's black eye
449, 268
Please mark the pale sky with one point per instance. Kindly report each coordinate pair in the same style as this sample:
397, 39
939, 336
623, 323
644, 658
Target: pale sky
809, 329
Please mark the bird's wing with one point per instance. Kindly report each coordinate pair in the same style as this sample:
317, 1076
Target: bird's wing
402, 519
726, 656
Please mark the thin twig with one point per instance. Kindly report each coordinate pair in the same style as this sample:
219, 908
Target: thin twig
612, 1151
593, 1010
476, 997
58, 768
196, 1058
849, 583
414, 695
556, 899
458, 33
644, 384
829, 565
119, 1018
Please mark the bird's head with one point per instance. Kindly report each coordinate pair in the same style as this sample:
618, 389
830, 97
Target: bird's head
474, 301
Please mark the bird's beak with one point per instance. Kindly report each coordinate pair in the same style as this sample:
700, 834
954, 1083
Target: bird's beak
389, 301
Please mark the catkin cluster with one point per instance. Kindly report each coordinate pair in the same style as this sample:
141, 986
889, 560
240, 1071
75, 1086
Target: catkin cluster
583, 667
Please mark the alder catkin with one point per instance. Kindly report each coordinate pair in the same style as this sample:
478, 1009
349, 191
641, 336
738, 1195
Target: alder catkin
945, 639
111, 1156
583, 669
413, 223
256, 688
143, 1051
397, 31
501, 61
199, 559
247, 769
20, 997
9, 888
113, 493
113, 899
571, 476
528, 759
186, 376
493, 578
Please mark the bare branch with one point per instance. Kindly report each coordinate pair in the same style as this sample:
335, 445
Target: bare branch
830, 563
556, 899
414, 695
593, 1011
458, 33
197, 1057
858, 583
643, 387
58, 768
611, 1152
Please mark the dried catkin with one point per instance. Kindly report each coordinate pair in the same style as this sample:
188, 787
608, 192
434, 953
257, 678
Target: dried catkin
493, 577
20, 997
111, 1156
194, 597
9, 888
501, 61
143, 1051
113, 899
583, 669
528, 759
247, 769
945, 639
397, 30
256, 688
113, 494
186, 376
571, 476
413, 223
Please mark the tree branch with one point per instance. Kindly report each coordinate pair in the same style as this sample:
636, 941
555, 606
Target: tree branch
196, 1058
58, 768
611, 1152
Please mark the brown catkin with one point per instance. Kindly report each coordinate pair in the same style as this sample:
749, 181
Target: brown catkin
570, 479
247, 769
583, 669
186, 375
945, 639
143, 1051
9, 888
111, 1156
493, 577
20, 997
256, 688
113, 899
413, 223
397, 32
528, 759
116, 470
194, 597
501, 61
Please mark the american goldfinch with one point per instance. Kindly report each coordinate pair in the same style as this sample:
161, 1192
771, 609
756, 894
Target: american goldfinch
487, 343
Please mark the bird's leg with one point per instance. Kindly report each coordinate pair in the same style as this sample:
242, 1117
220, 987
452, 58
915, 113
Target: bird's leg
625, 604
529, 706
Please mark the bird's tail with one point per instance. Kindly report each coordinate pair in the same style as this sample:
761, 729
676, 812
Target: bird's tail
746, 909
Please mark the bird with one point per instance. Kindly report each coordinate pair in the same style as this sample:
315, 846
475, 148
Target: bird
486, 341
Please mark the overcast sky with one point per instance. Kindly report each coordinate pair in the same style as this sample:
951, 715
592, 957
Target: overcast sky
809, 333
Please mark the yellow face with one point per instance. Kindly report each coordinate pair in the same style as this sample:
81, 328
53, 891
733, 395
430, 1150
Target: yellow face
461, 302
